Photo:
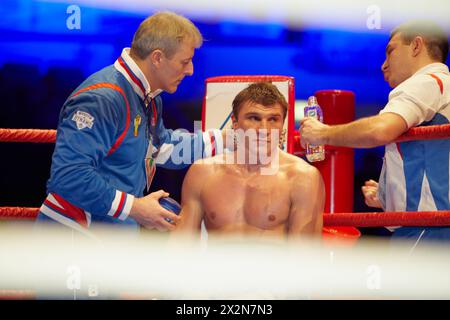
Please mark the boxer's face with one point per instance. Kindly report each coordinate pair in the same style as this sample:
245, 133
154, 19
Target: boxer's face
171, 71
397, 66
266, 122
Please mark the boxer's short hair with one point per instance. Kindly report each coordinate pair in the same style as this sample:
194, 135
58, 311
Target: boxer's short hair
435, 38
164, 31
264, 93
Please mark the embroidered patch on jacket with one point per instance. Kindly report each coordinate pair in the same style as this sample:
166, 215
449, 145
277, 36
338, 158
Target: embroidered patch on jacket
83, 120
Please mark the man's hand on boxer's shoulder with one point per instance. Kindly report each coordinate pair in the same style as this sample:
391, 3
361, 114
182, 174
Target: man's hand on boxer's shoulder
150, 214
313, 132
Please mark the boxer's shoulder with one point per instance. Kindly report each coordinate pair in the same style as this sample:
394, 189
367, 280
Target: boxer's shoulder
297, 169
206, 165
294, 163
216, 160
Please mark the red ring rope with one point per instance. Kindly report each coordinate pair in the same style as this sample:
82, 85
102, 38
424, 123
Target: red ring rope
48, 136
27, 135
417, 133
22, 213
388, 219
426, 133
353, 219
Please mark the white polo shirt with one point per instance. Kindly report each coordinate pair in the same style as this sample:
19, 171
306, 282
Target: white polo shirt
415, 175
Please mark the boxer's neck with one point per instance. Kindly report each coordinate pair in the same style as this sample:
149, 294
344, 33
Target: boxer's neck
258, 164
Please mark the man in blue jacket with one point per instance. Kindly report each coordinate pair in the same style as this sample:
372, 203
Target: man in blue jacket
111, 134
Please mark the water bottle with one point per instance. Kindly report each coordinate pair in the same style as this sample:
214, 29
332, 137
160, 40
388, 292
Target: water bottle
313, 110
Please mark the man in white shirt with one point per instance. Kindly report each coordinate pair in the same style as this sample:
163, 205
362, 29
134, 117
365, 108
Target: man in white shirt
415, 175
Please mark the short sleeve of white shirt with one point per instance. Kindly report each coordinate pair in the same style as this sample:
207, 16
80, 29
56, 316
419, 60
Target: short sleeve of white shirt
416, 100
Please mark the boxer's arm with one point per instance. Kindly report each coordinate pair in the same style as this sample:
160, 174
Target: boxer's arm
192, 208
363, 133
307, 203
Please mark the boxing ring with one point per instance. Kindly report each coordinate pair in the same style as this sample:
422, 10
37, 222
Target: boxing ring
337, 168
340, 223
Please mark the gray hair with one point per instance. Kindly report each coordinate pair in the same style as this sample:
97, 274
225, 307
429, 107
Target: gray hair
164, 31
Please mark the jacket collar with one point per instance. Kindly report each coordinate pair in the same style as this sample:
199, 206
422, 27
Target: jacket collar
131, 71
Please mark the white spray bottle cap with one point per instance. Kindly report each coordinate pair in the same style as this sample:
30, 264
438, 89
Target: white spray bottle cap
312, 101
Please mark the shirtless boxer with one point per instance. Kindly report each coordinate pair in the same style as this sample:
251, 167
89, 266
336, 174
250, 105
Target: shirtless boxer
235, 198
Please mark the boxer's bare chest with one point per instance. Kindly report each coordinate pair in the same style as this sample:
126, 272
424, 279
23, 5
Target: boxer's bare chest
257, 201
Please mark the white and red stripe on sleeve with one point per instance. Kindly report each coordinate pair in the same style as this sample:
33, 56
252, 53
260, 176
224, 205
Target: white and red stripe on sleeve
212, 142
121, 205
